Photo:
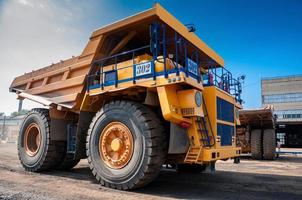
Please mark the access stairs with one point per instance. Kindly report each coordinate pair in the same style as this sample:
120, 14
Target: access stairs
206, 140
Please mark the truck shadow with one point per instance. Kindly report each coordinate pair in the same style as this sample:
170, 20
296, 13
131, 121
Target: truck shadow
78, 173
219, 185
224, 185
280, 159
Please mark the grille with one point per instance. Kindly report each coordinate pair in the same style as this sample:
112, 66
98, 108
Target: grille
187, 111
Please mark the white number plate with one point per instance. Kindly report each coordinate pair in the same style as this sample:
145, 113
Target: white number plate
192, 67
143, 69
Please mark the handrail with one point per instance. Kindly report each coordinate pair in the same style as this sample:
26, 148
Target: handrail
223, 79
184, 55
121, 54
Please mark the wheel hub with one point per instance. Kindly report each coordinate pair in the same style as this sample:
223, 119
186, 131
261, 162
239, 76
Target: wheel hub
116, 145
32, 139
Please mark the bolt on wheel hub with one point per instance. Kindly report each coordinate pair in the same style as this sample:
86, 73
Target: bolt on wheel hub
116, 145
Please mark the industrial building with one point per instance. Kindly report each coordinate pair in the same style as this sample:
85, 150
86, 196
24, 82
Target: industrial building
9, 128
285, 94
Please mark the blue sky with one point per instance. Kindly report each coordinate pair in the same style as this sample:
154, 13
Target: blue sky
255, 38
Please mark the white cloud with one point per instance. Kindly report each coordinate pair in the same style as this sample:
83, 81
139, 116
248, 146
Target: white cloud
34, 34
25, 3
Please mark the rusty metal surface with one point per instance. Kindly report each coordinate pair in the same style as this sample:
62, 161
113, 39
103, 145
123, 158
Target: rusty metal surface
257, 117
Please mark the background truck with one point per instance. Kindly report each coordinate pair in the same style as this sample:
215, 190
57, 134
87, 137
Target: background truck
256, 133
145, 91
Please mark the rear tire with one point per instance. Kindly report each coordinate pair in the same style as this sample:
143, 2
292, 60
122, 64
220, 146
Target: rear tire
40, 152
256, 144
149, 145
269, 144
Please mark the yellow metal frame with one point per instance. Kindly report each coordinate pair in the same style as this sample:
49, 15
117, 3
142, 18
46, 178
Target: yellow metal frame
172, 99
220, 153
199, 154
210, 94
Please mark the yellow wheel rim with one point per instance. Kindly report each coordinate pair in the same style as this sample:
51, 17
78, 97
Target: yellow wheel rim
32, 139
116, 145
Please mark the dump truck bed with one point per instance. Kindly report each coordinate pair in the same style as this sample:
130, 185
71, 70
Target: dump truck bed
257, 117
59, 83
256, 132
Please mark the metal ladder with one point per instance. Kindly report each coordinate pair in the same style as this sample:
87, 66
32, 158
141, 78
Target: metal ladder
193, 155
205, 139
202, 129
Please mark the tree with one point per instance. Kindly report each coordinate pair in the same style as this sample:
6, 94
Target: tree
1, 113
16, 113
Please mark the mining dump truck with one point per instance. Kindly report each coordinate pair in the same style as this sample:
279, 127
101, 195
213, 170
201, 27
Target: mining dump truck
145, 92
256, 133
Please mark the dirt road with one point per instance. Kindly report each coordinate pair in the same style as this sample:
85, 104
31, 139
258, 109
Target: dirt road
281, 179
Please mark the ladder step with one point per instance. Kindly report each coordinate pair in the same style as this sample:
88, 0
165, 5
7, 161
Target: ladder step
192, 155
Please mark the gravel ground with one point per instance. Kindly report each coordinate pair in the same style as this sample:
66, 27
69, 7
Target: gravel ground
280, 179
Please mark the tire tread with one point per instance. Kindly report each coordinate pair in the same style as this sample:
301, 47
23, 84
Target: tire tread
256, 144
269, 144
156, 144
50, 155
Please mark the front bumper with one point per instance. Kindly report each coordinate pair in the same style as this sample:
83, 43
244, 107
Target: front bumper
213, 154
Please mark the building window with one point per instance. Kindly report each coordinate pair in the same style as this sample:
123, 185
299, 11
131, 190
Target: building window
282, 98
281, 138
289, 114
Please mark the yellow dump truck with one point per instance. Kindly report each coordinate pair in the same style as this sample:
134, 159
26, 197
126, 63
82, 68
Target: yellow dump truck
145, 91
256, 133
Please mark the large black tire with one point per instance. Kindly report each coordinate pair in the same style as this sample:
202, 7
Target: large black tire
256, 144
149, 141
269, 144
190, 168
67, 160
46, 156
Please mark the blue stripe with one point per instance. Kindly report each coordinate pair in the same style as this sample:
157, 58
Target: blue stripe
171, 71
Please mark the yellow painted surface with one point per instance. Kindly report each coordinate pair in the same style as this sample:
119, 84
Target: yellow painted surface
209, 95
125, 69
169, 104
225, 122
224, 153
221, 152
187, 101
194, 135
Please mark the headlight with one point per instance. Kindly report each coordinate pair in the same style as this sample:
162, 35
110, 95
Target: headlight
198, 99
